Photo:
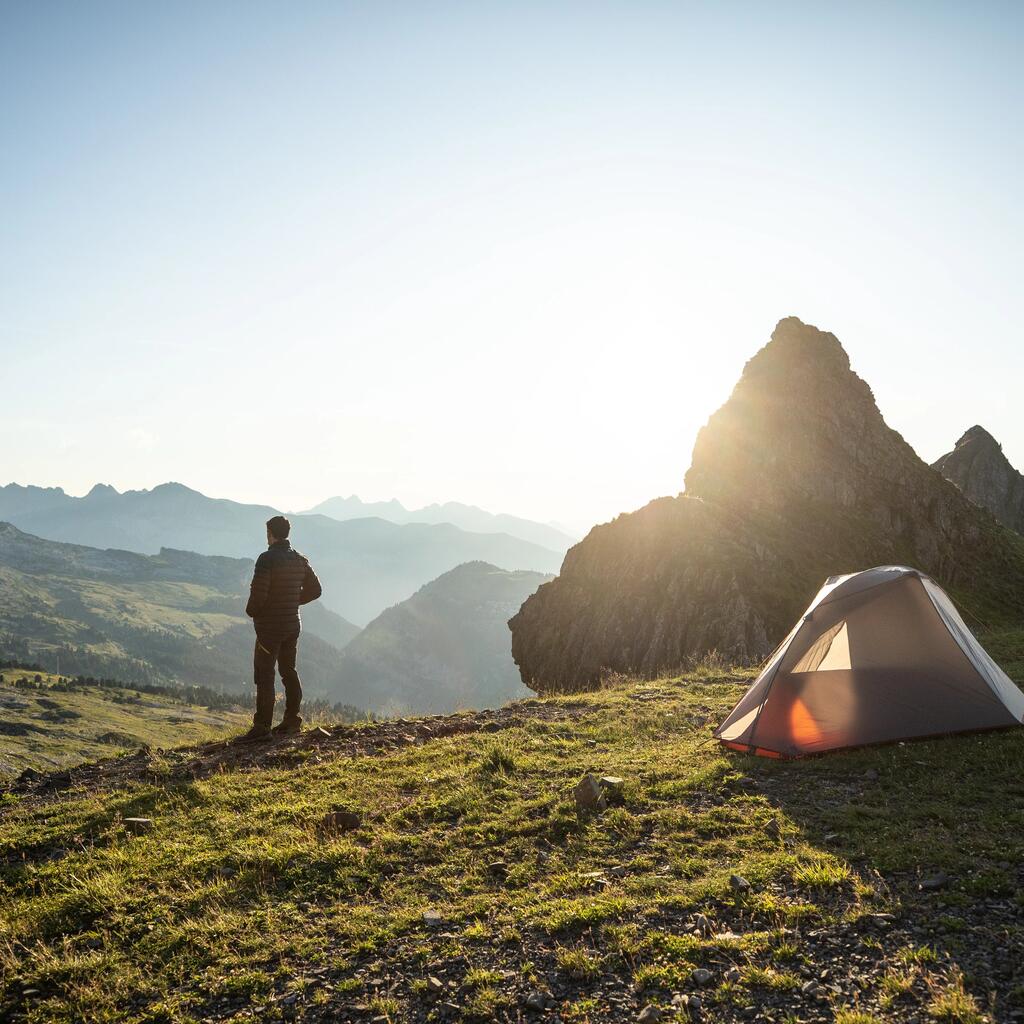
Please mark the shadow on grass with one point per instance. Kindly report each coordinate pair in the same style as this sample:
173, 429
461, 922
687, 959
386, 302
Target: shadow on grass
941, 821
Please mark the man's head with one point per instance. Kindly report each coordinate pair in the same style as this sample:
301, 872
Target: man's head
278, 528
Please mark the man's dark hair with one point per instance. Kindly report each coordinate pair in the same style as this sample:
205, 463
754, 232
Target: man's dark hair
279, 527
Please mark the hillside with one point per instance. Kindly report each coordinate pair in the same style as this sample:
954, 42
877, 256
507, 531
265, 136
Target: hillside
366, 565
447, 647
796, 478
47, 722
171, 617
979, 468
877, 885
465, 517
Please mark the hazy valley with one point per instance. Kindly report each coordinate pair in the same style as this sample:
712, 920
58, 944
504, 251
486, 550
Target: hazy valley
366, 564
445, 648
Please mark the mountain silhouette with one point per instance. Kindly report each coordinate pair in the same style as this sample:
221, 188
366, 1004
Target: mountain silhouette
979, 468
796, 478
466, 517
366, 564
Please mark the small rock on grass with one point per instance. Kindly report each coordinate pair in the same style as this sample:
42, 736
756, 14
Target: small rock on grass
734, 974
432, 918
701, 976
648, 1015
589, 794
702, 925
692, 1004
138, 825
935, 882
341, 820
435, 984
738, 883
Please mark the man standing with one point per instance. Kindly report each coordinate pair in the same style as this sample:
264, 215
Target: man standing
281, 582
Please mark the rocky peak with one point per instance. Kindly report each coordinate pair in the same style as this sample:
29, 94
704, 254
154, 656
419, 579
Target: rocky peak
979, 468
978, 435
799, 422
100, 491
797, 477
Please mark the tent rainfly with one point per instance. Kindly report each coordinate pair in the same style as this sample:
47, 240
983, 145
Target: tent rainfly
880, 655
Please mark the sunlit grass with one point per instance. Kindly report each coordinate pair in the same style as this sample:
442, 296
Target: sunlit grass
236, 894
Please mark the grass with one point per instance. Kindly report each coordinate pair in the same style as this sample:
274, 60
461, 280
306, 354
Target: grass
65, 728
236, 903
952, 1004
577, 963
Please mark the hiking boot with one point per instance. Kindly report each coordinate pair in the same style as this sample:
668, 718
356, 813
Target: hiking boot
288, 727
255, 735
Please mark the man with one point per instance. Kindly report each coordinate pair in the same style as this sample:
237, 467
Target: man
282, 580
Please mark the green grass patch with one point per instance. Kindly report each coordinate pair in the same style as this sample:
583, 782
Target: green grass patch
236, 893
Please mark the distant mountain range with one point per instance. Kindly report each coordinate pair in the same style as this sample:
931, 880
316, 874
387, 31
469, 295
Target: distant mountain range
171, 617
465, 517
366, 564
446, 647
979, 468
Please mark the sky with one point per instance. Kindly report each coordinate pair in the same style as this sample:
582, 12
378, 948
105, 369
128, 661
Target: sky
513, 254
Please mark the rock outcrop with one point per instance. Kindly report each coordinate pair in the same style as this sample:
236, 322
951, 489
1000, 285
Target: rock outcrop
979, 468
797, 477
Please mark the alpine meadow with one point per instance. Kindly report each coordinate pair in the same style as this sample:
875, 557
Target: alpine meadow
513, 513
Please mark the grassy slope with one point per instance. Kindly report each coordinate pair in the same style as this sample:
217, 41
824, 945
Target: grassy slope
65, 727
237, 904
106, 618
151, 631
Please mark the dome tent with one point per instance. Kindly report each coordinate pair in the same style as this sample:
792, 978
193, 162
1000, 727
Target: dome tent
879, 655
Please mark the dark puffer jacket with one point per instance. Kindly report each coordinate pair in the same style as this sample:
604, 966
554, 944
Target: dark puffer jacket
282, 580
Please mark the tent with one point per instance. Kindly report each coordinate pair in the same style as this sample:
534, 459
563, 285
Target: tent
879, 655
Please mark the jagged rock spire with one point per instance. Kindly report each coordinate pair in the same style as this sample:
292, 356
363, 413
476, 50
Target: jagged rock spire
979, 468
796, 478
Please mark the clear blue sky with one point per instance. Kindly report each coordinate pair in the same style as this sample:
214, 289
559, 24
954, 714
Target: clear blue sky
512, 254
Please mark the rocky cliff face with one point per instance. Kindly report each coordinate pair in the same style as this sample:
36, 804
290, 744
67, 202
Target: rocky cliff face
979, 468
797, 477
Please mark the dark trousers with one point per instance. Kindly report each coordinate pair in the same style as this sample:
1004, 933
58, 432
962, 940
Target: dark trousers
282, 654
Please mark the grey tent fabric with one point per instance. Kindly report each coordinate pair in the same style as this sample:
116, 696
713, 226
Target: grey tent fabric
879, 655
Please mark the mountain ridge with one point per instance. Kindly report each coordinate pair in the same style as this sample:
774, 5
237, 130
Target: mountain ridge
446, 647
172, 617
979, 467
366, 564
466, 517
795, 478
